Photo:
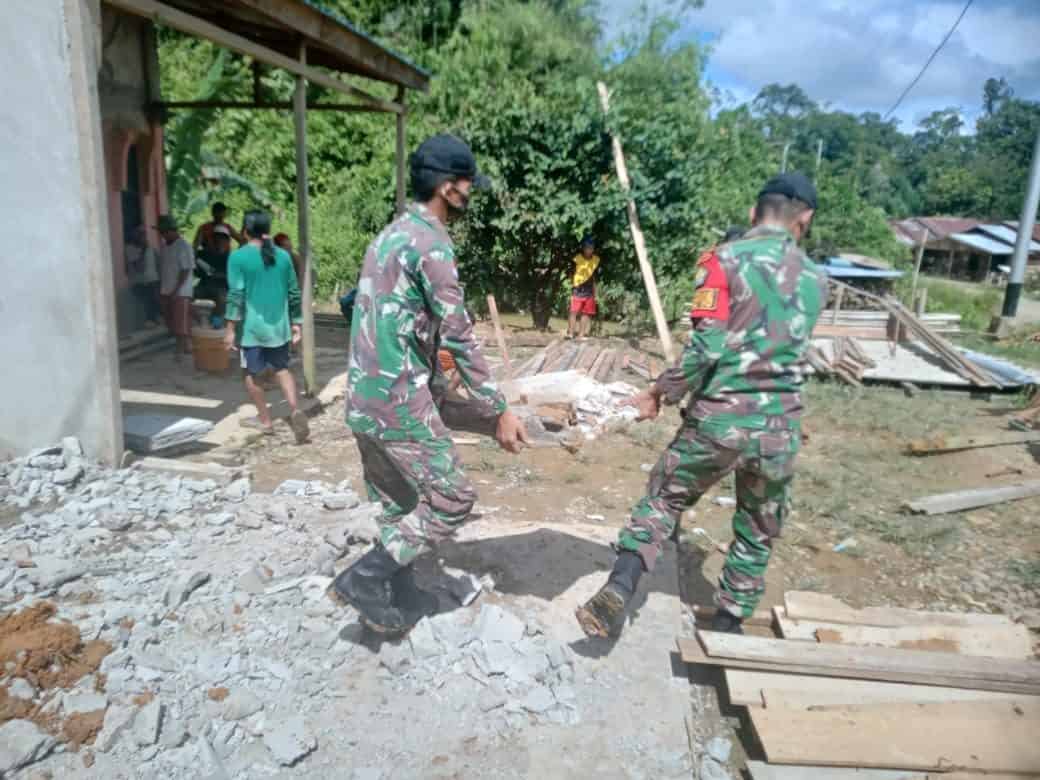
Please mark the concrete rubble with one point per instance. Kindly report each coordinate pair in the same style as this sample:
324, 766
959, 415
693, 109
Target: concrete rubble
227, 658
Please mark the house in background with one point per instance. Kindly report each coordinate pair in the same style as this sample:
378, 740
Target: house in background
84, 166
962, 248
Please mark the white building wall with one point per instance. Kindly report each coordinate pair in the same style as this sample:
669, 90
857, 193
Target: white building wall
57, 313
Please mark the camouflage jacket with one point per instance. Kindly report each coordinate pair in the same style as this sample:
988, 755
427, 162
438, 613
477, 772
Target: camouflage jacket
409, 305
745, 363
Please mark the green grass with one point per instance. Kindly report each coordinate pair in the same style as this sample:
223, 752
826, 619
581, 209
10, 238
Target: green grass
976, 306
1026, 571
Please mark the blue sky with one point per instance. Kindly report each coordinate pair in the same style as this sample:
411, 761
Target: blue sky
858, 55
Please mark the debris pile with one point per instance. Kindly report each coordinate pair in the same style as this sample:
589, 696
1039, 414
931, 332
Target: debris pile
847, 360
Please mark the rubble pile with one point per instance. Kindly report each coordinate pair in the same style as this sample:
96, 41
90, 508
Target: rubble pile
207, 646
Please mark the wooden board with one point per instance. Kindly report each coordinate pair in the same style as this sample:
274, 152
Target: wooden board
883, 660
960, 500
692, 653
762, 618
805, 605
938, 444
1011, 641
978, 736
762, 771
753, 689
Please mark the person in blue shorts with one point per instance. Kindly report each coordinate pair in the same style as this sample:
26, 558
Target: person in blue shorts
264, 316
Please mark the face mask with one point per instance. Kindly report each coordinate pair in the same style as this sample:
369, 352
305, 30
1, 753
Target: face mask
463, 202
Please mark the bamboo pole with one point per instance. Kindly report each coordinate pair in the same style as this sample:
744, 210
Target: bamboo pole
304, 225
399, 151
499, 336
637, 236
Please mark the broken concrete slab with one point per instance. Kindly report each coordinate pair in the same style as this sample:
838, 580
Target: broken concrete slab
117, 720
155, 432
290, 741
22, 743
147, 723
177, 593
221, 475
496, 625
241, 703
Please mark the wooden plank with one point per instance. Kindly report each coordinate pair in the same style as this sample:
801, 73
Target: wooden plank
881, 660
960, 500
663, 333
193, 25
499, 336
934, 445
1011, 641
692, 653
805, 605
400, 195
978, 736
606, 367
748, 688
762, 771
588, 357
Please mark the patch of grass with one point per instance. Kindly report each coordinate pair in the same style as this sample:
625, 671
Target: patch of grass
1026, 571
572, 478
653, 434
482, 465
976, 304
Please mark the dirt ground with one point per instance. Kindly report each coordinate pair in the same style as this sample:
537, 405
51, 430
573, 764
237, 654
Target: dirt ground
853, 478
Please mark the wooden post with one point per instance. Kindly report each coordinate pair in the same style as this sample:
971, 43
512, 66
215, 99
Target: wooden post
837, 305
303, 226
499, 336
400, 151
637, 236
917, 264
921, 302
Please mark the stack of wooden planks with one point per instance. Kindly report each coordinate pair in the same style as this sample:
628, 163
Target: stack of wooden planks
605, 360
881, 693
847, 360
877, 325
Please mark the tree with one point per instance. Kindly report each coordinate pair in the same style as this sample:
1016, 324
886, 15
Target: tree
995, 92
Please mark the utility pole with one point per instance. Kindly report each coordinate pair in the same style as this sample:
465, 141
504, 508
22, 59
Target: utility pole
783, 164
819, 159
1025, 235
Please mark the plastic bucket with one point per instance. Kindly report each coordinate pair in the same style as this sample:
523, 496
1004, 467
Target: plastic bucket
209, 351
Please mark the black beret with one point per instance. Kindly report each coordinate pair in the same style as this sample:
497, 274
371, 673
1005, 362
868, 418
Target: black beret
791, 185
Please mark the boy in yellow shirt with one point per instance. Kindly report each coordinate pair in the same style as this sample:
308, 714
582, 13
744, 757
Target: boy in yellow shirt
583, 294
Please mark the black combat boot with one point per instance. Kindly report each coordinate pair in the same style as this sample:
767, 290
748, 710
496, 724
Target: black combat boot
413, 602
367, 586
604, 614
726, 622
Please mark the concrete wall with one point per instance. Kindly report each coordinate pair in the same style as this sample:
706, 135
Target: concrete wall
56, 305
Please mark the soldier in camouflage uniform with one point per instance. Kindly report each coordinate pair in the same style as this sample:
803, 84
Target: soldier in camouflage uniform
756, 303
409, 305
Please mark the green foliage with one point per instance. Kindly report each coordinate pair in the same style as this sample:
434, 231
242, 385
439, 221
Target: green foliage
975, 304
517, 79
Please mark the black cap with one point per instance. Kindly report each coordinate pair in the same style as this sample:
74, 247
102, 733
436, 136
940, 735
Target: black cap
450, 155
220, 206
791, 185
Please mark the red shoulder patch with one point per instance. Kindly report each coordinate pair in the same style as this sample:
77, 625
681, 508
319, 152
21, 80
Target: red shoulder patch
711, 297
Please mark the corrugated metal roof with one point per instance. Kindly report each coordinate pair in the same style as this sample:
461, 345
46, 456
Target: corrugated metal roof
1006, 234
983, 243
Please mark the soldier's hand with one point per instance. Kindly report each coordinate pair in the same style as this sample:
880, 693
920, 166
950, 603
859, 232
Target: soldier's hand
647, 403
510, 432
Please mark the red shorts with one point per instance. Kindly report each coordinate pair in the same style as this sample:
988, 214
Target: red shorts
176, 311
583, 306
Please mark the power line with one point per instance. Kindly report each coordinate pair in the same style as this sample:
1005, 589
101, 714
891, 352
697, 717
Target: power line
938, 48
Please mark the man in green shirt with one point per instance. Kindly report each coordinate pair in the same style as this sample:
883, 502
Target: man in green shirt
264, 301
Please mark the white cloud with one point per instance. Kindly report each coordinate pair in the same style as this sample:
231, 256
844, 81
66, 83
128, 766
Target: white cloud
860, 54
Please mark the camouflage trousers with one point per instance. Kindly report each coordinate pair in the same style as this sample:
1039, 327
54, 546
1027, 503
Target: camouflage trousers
425, 494
700, 455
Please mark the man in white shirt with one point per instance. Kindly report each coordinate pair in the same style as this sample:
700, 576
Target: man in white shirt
176, 260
